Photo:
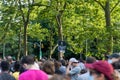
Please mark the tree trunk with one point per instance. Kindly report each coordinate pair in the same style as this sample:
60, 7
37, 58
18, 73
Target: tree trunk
108, 26
50, 56
19, 45
59, 22
25, 39
107, 14
107, 11
52, 50
60, 34
4, 50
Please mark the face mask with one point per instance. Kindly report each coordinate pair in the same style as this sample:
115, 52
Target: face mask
109, 61
91, 78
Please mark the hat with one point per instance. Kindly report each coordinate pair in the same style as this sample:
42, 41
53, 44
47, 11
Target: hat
103, 67
115, 55
73, 60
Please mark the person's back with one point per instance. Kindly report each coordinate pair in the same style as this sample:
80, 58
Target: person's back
33, 72
16, 75
33, 75
5, 69
63, 67
84, 76
6, 76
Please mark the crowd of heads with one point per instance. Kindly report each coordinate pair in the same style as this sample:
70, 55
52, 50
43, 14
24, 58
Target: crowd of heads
50, 69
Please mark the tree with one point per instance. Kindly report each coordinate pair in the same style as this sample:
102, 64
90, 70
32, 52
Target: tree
25, 9
107, 11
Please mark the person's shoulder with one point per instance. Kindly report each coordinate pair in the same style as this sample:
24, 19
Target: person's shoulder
40, 71
6, 76
15, 74
24, 73
77, 67
84, 76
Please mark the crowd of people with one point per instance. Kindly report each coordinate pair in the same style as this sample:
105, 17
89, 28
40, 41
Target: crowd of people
50, 69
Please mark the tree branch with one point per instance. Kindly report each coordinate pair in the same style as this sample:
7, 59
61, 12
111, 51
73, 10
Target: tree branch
54, 48
28, 12
58, 16
115, 6
6, 31
100, 4
7, 26
38, 4
21, 11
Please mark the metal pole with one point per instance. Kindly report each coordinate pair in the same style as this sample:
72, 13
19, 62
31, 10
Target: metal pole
3, 50
40, 54
86, 48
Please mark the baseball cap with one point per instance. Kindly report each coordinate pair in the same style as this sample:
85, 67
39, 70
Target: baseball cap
115, 55
73, 60
103, 67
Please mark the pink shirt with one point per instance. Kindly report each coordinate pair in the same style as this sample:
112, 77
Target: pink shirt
33, 75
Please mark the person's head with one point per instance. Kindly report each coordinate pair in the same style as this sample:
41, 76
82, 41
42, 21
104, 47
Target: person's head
101, 70
90, 60
9, 59
27, 61
63, 62
57, 64
49, 67
4, 66
113, 58
74, 62
116, 65
16, 66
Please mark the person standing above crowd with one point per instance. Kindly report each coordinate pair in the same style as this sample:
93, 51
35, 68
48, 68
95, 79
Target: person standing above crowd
75, 69
33, 72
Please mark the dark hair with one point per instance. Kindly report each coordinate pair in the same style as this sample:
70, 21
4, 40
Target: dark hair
90, 60
28, 60
57, 67
5, 66
22, 69
116, 65
17, 66
63, 62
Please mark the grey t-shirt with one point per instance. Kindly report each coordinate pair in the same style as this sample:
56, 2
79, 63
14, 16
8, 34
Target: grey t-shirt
63, 69
6, 76
74, 73
84, 76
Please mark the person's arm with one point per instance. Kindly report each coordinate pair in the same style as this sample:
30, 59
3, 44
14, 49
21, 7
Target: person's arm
68, 68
